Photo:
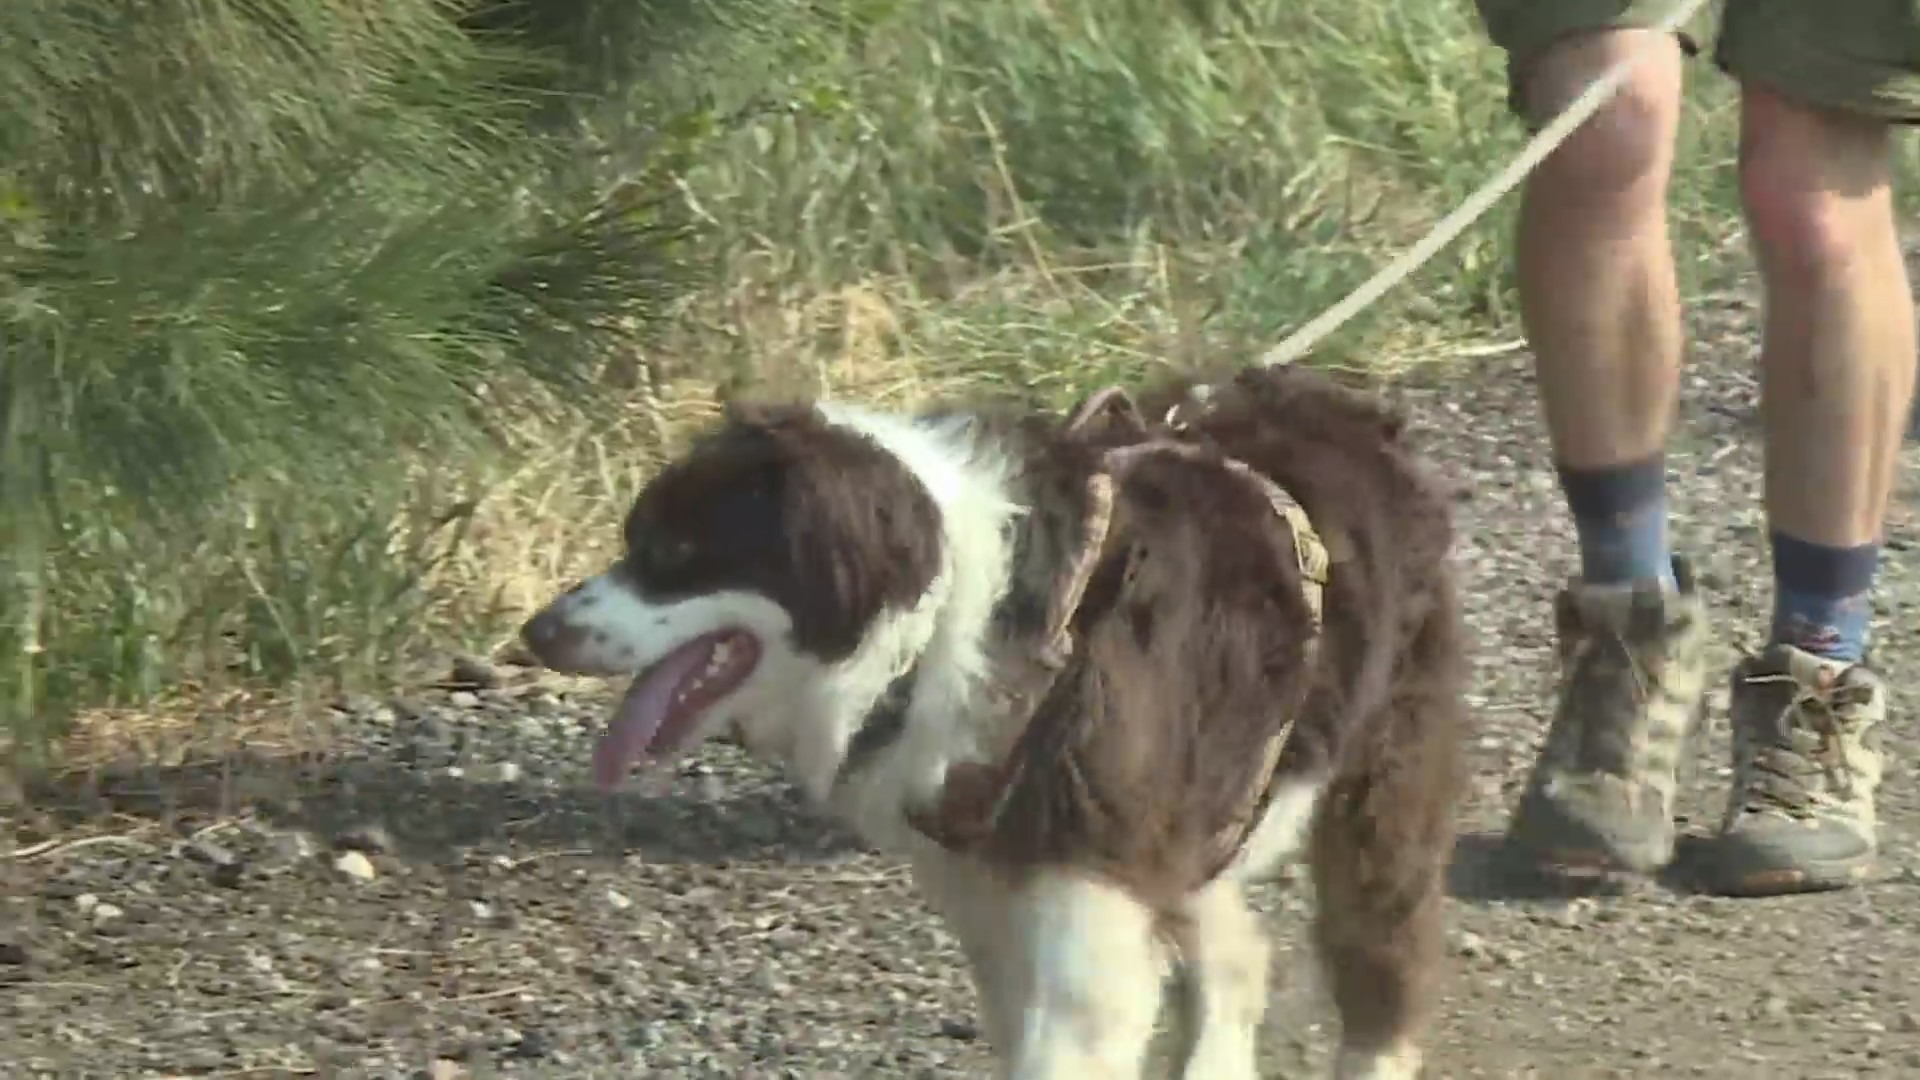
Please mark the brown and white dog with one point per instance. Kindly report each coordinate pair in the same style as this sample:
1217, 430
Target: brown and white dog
1091, 680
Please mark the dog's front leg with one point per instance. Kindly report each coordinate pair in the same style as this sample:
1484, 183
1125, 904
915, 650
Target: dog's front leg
1092, 980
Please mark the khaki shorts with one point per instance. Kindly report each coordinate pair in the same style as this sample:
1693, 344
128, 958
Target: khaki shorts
1857, 56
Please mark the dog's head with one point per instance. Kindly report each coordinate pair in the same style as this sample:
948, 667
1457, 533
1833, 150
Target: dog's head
763, 558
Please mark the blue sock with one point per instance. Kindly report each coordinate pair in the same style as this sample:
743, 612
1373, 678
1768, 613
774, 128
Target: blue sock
1821, 600
1620, 514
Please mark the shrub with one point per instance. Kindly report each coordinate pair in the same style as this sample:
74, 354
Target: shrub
267, 267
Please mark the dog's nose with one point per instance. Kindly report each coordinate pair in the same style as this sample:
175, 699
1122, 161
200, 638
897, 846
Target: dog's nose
546, 635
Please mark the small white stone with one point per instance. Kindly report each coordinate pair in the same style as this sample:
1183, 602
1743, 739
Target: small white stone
618, 902
354, 865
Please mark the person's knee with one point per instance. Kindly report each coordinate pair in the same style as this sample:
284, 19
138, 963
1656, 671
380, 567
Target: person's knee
1620, 158
1814, 184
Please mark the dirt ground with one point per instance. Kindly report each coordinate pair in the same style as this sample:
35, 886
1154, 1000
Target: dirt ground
445, 896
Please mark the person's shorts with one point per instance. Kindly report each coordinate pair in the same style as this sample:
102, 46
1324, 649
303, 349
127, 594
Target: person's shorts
1857, 56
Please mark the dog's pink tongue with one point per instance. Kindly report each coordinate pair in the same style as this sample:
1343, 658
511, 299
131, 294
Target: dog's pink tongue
641, 711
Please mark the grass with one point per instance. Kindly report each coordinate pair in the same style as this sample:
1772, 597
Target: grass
897, 200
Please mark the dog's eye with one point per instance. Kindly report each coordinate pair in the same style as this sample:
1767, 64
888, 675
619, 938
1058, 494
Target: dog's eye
665, 553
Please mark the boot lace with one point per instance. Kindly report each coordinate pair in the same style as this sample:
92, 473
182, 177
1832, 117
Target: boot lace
1796, 762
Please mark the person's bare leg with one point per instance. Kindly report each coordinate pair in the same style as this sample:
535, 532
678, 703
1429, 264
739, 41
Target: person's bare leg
1596, 276
1601, 309
1837, 371
1837, 356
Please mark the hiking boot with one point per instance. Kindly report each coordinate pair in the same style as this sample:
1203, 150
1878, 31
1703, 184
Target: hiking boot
1806, 763
1627, 730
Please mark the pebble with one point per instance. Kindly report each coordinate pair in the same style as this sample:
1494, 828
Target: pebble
472, 673
355, 865
228, 875
618, 902
530, 1046
446, 1069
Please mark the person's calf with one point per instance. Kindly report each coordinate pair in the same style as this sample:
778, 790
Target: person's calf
1598, 295
1837, 356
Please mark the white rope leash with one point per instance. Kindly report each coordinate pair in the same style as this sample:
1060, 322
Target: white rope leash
1544, 142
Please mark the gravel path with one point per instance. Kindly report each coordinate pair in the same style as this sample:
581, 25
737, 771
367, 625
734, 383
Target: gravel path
444, 897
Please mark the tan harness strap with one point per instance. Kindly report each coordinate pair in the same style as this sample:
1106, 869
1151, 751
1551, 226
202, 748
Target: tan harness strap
1065, 601
1309, 551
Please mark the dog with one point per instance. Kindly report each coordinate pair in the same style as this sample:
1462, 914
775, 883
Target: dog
1090, 679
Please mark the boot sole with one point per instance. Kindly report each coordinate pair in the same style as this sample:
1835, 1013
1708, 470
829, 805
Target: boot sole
1810, 876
